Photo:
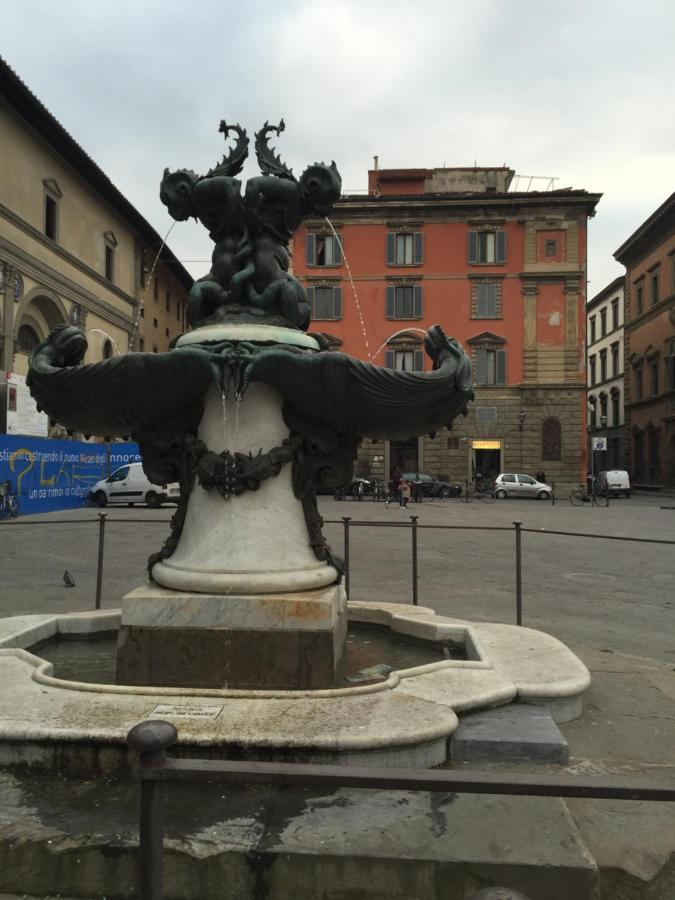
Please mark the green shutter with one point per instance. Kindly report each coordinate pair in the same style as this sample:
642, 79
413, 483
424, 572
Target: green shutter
500, 248
391, 309
481, 366
337, 302
310, 247
419, 361
501, 367
337, 251
418, 248
310, 300
391, 249
473, 246
389, 359
417, 301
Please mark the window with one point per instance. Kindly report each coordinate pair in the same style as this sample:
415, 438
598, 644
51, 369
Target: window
615, 358
168, 300
109, 262
616, 407
638, 299
405, 249
655, 287
120, 474
603, 409
654, 371
166, 332
490, 366
142, 270
486, 415
615, 314
670, 366
155, 349
325, 302
637, 377
142, 313
591, 413
107, 349
487, 247
154, 323
509, 479
603, 365
323, 250
592, 325
405, 360
141, 344
50, 217
485, 300
591, 370
404, 302
603, 322
28, 338
551, 248
551, 439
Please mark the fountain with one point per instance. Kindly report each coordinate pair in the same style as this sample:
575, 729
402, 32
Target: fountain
240, 629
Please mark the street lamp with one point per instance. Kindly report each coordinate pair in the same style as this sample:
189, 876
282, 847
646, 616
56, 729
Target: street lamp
521, 419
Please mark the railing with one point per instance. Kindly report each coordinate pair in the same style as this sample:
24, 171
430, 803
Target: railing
348, 523
152, 739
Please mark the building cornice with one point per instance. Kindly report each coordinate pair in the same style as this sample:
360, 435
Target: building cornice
652, 313
614, 287
660, 225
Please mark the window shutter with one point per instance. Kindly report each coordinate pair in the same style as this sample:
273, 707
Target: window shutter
480, 300
337, 250
473, 246
310, 247
389, 359
337, 302
481, 366
417, 301
391, 249
418, 248
501, 367
390, 311
419, 361
310, 300
500, 250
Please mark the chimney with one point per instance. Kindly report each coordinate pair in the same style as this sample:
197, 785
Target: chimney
376, 160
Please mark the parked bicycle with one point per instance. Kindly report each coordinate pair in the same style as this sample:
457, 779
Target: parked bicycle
581, 495
481, 492
9, 501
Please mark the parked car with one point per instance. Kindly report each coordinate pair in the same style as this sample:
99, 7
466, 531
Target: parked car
614, 482
429, 486
511, 485
129, 484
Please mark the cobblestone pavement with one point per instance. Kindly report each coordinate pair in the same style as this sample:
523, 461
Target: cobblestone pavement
596, 594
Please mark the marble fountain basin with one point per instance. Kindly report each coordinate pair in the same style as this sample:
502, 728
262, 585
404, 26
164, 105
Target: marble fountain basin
405, 719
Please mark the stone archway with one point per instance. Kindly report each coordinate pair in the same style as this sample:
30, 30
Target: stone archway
38, 314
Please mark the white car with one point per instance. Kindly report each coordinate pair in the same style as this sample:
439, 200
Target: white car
614, 482
508, 485
129, 484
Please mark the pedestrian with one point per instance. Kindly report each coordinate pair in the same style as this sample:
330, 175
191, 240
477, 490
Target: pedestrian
405, 494
396, 482
541, 476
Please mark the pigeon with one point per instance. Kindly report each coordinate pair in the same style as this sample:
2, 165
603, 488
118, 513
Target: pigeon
68, 579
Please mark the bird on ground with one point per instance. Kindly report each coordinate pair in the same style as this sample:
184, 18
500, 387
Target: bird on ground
68, 579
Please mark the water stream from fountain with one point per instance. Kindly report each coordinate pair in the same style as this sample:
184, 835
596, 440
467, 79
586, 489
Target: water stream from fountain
354, 291
109, 336
391, 337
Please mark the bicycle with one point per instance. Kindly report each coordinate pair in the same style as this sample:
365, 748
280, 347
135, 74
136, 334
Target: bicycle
9, 501
481, 492
580, 495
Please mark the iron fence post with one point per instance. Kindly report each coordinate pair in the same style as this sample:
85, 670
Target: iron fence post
151, 739
519, 574
99, 571
466, 491
553, 493
345, 521
414, 559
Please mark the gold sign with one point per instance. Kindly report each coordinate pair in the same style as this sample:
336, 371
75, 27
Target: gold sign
486, 445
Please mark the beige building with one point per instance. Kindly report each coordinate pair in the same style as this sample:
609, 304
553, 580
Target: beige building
604, 356
72, 248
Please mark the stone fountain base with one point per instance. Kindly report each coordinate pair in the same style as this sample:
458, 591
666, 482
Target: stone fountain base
405, 720
266, 641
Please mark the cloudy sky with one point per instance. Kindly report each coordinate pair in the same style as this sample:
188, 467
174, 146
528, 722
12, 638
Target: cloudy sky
581, 91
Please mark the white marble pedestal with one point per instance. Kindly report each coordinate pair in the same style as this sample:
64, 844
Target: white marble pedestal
243, 601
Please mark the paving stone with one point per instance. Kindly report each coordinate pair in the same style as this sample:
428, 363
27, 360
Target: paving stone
518, 732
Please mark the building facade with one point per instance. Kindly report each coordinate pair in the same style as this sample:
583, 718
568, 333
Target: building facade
504, 273
72, 248
649, 340
605, 374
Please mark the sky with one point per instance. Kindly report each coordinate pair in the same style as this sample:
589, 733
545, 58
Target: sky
580, 91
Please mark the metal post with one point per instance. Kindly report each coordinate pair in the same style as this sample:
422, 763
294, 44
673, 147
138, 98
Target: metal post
151, 739
553, 493
345, 521
414, 559
101, 544
519, 574
466, 492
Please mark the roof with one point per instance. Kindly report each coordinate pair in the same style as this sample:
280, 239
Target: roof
474, 199
650, 233
611, 288
18, 95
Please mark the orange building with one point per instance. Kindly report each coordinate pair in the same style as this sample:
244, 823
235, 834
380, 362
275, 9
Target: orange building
503, 272
649, 347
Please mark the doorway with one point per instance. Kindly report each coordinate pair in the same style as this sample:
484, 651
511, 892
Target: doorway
487, 464
404, 455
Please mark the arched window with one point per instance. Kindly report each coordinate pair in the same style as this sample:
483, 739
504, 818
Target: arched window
28, 338
551, 439
107, 349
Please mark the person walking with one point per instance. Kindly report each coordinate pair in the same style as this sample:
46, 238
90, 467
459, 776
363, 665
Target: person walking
396, 482
405, 494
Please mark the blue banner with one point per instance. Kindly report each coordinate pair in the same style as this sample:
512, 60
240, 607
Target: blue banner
49, 475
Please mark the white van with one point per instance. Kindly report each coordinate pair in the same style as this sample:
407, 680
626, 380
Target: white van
129, 484
614, 482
